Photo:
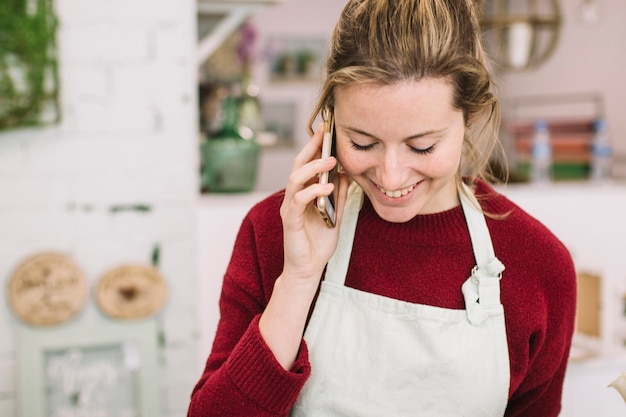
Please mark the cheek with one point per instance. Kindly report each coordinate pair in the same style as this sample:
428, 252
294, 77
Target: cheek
448, 160
437, 165
445, 164
351, 160
356, 162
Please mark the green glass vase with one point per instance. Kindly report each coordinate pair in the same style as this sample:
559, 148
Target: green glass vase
229, 161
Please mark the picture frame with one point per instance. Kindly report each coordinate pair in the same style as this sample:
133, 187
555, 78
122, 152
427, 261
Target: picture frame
279, 119
105, 370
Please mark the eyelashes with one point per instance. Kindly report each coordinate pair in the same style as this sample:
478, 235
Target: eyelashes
362, 148
426, 151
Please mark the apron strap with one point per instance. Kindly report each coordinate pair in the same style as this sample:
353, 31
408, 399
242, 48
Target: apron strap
477, 225
482, 289
337, 267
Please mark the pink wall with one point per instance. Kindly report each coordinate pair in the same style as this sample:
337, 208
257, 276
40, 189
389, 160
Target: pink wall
588, 59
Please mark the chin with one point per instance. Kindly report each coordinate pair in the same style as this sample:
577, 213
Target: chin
395, 215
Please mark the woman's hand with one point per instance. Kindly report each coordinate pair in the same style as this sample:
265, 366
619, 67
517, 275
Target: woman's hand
308, 241
308, 244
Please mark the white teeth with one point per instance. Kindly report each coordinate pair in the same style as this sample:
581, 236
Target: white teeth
396, 193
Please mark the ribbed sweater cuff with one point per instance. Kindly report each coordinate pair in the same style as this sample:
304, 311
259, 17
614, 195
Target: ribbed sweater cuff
255, 371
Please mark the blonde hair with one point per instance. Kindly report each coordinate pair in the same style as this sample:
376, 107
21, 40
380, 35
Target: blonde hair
388, 41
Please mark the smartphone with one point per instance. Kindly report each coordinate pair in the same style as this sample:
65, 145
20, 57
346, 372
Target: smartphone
326, 204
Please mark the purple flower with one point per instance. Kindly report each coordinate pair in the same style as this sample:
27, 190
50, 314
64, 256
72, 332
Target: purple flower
245, 48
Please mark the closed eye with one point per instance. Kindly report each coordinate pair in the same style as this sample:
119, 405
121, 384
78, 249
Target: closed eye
423, 151
361, 147
418, 151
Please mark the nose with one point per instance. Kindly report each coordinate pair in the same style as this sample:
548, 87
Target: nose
391, 176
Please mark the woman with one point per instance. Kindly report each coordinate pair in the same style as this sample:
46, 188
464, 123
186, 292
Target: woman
437, 297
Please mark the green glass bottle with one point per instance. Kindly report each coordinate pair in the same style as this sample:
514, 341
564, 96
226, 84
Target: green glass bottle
229, 161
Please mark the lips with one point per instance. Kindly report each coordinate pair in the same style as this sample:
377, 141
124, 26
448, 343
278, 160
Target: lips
396, 193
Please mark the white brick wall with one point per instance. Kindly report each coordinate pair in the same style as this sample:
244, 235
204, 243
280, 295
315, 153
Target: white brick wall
128, 136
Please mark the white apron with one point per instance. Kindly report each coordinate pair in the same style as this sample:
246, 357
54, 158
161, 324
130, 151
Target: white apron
376, 356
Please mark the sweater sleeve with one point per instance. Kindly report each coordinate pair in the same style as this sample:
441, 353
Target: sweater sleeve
242, 377
547, 348
539, 297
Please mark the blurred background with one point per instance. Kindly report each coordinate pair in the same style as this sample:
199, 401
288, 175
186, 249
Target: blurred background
136, 134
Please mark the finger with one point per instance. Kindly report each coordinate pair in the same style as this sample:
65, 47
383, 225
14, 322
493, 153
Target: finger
293, 210
307, 175
310, 172
305, 178
312, 150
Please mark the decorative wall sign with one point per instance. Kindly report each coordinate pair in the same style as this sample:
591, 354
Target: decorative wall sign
47, 289
92, 378
103, 370
131, 292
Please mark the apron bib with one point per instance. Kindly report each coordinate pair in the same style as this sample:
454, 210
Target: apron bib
376, 356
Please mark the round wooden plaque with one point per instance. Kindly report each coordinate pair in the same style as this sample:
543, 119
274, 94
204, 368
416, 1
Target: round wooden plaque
47, 289
131, 292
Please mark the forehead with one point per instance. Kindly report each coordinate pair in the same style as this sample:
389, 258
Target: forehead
425, 100
410, 90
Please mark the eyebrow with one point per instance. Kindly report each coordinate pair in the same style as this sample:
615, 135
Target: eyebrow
415, 136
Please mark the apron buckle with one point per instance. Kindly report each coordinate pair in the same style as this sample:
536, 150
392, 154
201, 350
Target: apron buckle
489, 271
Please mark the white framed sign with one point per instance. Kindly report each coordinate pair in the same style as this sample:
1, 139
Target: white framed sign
90, 370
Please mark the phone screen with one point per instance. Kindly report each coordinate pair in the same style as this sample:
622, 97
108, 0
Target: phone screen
326, 204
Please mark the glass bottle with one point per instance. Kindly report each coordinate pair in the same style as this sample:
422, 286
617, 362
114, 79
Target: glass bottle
600, 152
229, 161
541, 154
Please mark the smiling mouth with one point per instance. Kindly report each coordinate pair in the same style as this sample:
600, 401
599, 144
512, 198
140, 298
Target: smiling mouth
396, 193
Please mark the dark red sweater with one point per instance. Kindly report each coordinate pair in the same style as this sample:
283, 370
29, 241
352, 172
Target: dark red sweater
422, 261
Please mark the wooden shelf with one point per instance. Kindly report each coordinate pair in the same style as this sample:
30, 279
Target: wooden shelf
570, 118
